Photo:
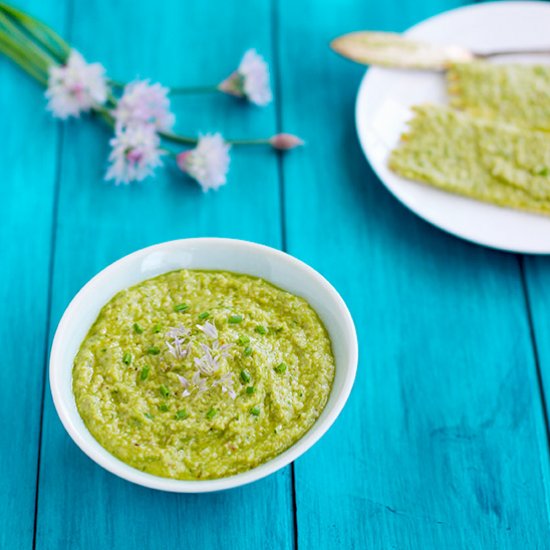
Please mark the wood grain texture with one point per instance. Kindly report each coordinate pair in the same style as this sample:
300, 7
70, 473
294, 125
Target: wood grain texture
80, 505
29, 160
442, 444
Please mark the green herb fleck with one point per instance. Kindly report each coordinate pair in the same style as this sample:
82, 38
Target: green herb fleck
245, 376
544, 171
127, 358
255, 411
145, 372
137, 328
164, 390
148, 415
247, 351
260, 329
157, 328
182, 414
212, 412
280, 368
204, 315
243, 339
250, 390
104, 350
235, 319
163, 407
181, 307
153, 350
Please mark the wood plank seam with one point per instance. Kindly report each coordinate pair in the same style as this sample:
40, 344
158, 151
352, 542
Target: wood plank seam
60, 134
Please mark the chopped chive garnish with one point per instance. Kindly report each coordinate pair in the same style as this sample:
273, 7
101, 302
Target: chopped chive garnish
204, 315
544, 171
247, 351
211, 413
157, 328
235, 319
245, 376
250, 390
127, 358
145, 372
148, 415
182, 414
280, 368
255, 411
104, 350
164, 407
181, 307
153, 350
260, 329
164, 390
137, 328
243, 339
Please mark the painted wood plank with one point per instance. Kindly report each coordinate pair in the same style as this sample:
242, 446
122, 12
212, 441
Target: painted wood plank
80, 505
536, 275
28, 157
442, 444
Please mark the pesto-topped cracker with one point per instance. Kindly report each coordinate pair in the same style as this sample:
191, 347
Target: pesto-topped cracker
485, 160
514, 93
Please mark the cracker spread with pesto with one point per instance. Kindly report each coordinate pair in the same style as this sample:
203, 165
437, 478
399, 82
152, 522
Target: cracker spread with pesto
202, 374
483, 159
514, 93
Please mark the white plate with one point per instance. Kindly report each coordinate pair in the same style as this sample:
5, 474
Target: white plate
383, 107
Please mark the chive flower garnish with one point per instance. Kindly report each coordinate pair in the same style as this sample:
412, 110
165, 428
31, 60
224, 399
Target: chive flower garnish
255, 411
181, 307
247, 351
280, 368
163, 407
145, 372
260, 329
148, 415
235, 319
138, 329
204, 315
211, 413
127, 358
182, 414
157, 328
245, 376
153, 350
243, 339
165, 392
250, 390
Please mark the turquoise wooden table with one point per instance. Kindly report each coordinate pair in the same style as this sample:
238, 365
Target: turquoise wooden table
444, 441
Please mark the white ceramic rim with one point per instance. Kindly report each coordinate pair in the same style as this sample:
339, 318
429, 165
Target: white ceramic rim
402, 196
121, 469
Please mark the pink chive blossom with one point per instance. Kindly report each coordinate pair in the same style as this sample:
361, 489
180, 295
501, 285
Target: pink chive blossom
250, 80
199, 382
285, 142
185, 383
135, 153
209, 329
208, 162
144, 103
226, 384
177, 347
75, 87
207, 364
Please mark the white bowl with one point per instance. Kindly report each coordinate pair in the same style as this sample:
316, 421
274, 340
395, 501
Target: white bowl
207, 253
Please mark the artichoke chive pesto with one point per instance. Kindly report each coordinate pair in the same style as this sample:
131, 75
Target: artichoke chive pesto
202, 375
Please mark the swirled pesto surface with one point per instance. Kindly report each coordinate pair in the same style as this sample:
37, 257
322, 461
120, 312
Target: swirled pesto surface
201, 375
483, 159
514, 93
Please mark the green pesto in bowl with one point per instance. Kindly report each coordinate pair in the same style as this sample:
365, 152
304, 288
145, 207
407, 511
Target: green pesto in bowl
201, 374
